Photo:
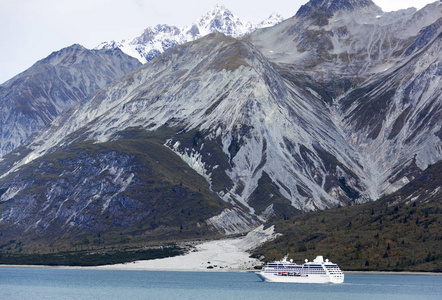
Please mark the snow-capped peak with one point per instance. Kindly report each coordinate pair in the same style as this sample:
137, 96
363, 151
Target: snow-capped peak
272, 20
155, 40
220, 19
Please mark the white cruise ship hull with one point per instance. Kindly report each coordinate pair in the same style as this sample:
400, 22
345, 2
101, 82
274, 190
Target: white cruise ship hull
312, 278
317, 271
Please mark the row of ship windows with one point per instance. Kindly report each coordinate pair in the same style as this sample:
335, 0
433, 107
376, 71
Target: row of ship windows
298, 267
310, 272
305, 267
314, 270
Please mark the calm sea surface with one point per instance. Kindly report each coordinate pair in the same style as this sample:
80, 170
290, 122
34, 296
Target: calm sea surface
30, 283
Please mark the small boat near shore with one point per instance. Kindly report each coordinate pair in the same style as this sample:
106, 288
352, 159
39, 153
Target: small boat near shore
317, 271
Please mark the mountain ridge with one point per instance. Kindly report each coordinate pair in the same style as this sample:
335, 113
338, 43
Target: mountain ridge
209, 120
32, 99
399, 232
155, 40
389, 72
327, 118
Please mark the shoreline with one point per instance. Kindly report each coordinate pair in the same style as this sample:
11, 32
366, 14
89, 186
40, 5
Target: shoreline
121, 268
118, 268
392, 273
224, 255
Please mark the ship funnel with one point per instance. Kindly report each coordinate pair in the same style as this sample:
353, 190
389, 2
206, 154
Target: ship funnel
319, 259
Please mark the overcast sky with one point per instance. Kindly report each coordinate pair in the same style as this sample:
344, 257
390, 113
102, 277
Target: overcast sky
32, 29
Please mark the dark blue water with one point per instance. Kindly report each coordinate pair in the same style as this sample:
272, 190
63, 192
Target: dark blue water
29, 283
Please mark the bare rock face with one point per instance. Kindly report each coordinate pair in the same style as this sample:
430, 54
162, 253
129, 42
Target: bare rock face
301, 116
379, 74
66, 78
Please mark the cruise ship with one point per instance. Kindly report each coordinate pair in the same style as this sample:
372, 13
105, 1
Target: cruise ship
317, 271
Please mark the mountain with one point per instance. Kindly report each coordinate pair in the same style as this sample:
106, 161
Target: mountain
155, 40
227, 93
32, 99
378, 73
218, 135
399, 232
327, 8
108, 194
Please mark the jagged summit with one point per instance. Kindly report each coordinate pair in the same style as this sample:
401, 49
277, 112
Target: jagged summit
155, 40
65, 78
332, 6
219, 135
57, 57
151, 32
273, 19
220, 19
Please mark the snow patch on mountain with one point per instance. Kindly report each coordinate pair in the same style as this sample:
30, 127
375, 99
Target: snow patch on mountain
360, 42
289, 127
155, 40
219, 82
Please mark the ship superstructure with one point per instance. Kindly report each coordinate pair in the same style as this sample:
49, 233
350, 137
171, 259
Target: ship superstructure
317, 271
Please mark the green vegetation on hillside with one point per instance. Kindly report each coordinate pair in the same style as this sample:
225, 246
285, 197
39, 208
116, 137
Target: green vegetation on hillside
166, 202
401, 232
85, 258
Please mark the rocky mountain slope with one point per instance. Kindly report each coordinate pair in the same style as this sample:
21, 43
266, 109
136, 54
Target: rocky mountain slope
399, 232
32, 99
379, 74
306, 115
155, 40
67, 77
129, 191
